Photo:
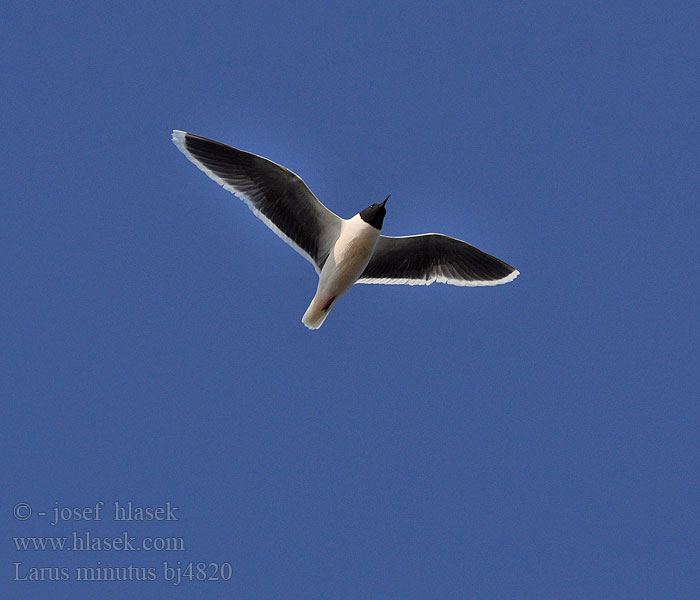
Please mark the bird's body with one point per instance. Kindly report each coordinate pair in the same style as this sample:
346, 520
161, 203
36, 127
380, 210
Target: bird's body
344, 265
343, 251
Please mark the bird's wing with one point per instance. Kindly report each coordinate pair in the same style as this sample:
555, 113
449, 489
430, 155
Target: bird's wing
423, 259
276, 195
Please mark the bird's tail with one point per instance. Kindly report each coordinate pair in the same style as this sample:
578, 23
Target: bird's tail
317, 312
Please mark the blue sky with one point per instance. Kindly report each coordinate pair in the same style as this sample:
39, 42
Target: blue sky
534, 440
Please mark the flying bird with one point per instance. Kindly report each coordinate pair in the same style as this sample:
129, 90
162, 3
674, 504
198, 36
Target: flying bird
343, 251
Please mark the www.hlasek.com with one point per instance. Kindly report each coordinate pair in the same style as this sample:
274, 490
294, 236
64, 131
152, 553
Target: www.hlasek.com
87, 542
175, 573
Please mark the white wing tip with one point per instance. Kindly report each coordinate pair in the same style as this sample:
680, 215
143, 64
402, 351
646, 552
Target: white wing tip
178, 138
507, 278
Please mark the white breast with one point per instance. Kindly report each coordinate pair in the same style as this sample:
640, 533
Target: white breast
349, 256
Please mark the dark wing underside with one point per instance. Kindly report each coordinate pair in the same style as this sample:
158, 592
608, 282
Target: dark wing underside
274, 193
423, 259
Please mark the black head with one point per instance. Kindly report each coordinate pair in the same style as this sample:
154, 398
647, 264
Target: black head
374, 215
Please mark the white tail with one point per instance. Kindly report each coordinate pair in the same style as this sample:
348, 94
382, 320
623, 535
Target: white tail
317, 312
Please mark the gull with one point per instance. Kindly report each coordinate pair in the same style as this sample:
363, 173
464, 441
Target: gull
343, 251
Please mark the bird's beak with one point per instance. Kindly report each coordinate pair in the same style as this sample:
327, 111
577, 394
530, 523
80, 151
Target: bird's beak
383, 203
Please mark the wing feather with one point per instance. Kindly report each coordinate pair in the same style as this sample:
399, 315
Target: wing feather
275, 194
430, 257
